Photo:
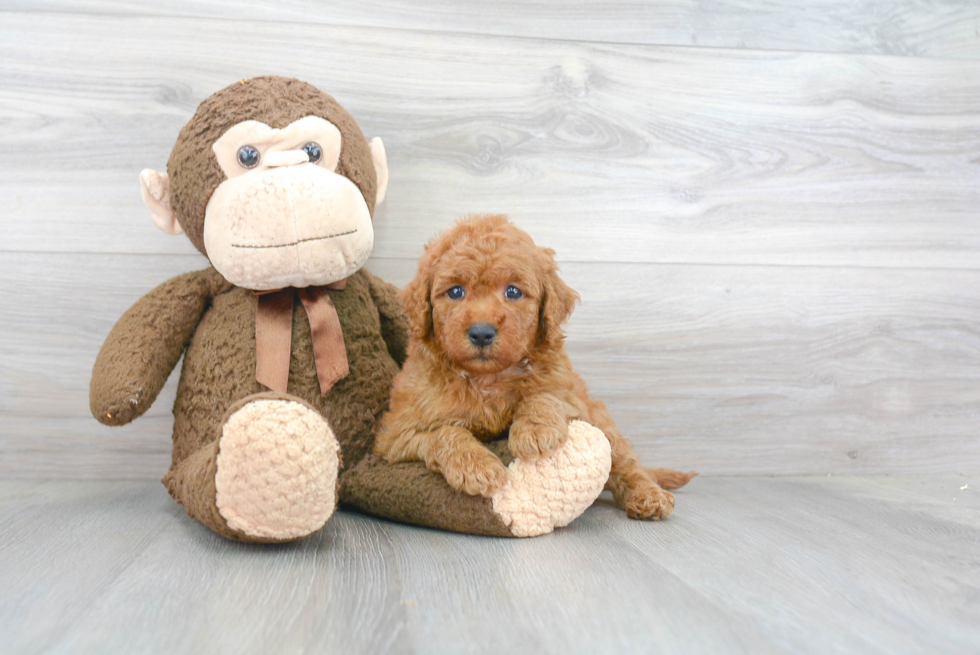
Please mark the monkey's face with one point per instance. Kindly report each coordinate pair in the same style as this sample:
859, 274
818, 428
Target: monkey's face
284, 217
274, 182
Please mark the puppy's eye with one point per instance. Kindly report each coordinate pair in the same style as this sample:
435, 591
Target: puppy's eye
248, 157
455, 293
513, 293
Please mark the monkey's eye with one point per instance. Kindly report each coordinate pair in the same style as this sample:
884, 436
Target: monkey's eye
455, 293
513, 293
248, 157
313, 152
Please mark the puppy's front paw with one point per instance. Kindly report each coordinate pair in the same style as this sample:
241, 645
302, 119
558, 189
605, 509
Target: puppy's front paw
531, 440
649, 502
475, 471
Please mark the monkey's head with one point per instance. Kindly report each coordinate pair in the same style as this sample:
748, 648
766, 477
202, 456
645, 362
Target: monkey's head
275, 183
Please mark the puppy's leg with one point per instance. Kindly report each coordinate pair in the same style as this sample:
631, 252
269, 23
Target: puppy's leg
454, 452
634, 488
540, 426
466, 463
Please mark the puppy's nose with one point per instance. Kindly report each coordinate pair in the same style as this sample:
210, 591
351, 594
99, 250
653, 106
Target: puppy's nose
482, 334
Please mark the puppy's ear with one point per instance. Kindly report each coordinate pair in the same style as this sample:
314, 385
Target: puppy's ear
415, 299
557, 299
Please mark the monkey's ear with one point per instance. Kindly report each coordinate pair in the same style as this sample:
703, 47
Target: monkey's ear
380, 168
155, 188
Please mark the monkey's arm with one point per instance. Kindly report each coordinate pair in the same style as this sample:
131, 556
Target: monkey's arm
145, 345
394, 326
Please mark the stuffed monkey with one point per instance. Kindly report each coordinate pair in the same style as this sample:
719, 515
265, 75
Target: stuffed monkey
289, 345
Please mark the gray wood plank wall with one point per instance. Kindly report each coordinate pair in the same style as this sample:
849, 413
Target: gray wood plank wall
770, 213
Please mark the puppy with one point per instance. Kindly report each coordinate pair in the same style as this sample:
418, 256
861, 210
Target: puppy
486, 356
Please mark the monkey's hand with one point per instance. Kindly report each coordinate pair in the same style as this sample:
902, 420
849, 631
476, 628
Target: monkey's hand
145, 345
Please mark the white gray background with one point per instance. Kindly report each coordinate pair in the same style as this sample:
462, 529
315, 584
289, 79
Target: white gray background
769, 209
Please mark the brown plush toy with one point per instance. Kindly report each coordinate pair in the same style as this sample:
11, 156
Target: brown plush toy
289, 346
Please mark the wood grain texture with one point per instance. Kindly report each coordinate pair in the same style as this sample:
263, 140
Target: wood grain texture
777, 251
808, 565
726, 370
932, 28
831, 564
63, 546
605, 152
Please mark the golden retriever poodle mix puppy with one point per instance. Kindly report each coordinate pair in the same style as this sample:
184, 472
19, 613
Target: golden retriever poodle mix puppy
487, 358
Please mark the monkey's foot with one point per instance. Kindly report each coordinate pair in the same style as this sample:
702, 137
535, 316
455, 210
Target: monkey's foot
549, 493
276, 469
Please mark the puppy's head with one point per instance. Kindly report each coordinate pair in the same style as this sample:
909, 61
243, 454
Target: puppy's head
486, 296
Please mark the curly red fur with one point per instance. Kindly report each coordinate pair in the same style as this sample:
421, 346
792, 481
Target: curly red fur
452, 394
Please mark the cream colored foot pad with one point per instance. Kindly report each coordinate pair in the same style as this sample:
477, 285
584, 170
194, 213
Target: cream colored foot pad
551, 492
277, 470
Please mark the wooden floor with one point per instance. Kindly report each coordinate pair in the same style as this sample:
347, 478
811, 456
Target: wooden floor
745, 565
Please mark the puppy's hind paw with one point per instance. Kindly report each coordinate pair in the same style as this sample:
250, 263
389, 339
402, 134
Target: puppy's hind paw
649, 503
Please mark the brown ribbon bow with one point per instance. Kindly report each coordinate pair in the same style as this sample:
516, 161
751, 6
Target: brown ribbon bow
274, 332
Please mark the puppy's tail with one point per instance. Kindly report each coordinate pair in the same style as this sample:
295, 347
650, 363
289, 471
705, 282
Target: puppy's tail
670, 479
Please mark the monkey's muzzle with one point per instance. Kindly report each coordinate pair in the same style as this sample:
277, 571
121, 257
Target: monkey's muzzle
296, 226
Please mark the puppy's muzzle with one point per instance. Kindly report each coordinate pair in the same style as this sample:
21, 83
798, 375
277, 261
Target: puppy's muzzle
482, 334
